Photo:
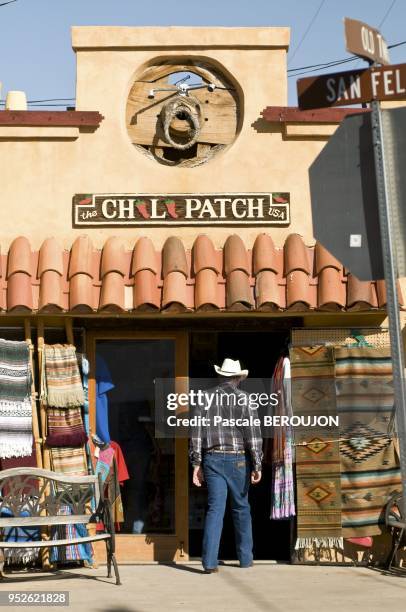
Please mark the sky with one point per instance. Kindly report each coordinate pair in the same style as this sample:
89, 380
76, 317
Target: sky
35, 46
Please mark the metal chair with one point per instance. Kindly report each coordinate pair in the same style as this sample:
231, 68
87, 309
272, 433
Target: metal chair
395, 522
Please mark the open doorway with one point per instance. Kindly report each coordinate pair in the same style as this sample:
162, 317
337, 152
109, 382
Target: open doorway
258, 352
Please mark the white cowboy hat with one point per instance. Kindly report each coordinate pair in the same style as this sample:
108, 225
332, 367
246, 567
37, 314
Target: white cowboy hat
231, 368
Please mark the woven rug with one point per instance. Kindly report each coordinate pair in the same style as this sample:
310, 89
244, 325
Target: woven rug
65, 427
317, 449
70, 461
15, 402
369, 467
61, 382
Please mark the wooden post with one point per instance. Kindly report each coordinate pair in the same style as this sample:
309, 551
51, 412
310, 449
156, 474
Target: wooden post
35, 424
69, 331
45, 534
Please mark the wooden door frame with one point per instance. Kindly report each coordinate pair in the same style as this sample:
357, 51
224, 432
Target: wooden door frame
151, 547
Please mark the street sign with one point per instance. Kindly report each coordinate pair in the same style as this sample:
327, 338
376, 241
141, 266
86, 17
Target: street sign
365, 41
353, 87
344, 199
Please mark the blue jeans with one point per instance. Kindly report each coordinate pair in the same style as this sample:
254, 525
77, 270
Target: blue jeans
227, 473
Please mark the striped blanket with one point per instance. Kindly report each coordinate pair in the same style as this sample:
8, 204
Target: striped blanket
369, 466
70, 461
317, 450
15, 402
61, 382
65, 427
73, 552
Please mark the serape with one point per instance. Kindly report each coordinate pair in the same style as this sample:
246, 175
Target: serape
61, 383
283, 494
317, 449
65, 427
70, 461
21, 556
73, 552
15, 401
369, 468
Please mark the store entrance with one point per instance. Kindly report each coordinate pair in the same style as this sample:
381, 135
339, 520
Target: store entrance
258, 352
122, 412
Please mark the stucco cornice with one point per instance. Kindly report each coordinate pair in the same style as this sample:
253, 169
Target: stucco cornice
84, 37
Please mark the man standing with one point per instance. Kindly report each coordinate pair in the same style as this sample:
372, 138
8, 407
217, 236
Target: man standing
228, 457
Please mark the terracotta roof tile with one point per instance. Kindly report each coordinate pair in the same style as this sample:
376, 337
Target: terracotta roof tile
267, 291
146, 294
323, 259
85, 280
19, 292
265, 256
175, 292
235, 255
331, 290
296, 255
144, 256
50, 292
50, 257
113, 258
81, 293
361, 295
238, 291
298, 290
381, 293
204, 255
19, 257
174, 257
81, 257
207, 290
112, 292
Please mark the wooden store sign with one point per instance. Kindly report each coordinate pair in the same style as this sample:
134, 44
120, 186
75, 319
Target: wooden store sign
124, 210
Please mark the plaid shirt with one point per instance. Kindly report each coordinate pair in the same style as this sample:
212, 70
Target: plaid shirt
228, 404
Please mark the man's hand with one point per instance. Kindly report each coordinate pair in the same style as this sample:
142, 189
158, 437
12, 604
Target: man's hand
198, 477
255, 477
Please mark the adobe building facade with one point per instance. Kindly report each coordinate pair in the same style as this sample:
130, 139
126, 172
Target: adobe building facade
162, 207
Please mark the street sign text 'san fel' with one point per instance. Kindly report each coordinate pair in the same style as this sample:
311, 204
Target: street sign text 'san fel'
353, 87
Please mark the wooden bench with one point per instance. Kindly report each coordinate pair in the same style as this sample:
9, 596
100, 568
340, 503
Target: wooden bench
44, 496
396, 523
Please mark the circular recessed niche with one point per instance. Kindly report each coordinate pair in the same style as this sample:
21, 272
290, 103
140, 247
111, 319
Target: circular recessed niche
183, 112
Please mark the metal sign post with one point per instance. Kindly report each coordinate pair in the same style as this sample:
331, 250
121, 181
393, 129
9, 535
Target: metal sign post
382, 165
378, 82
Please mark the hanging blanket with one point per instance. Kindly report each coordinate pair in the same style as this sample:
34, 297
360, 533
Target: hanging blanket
69, 461
73, 552
317, 449
61, 383
283, 494
106, 466
15, 402
20, 556
65, 427
369, 467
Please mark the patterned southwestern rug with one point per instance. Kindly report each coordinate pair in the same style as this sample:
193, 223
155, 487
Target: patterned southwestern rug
317, 449
370, 470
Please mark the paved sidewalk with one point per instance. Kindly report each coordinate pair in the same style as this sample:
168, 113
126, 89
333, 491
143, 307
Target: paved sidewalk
265, 587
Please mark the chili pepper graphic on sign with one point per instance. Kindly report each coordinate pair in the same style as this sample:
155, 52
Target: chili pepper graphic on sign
141, 205
171, 208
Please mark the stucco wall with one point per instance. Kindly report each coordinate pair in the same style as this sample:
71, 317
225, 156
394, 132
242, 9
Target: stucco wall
41, 171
